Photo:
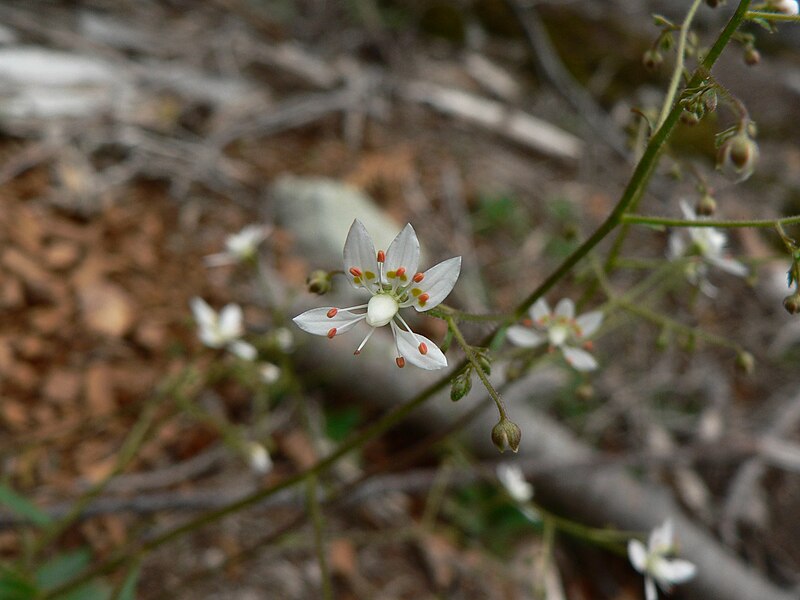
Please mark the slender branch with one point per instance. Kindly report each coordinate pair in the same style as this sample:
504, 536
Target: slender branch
680, 58
319, 543
669, 222
752, 15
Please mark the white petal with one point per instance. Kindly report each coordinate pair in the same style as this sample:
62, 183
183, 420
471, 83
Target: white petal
316, 321
579, 359
242, 349
514, 481
650, 589
589, 323
540, 310
688, 211
403, 252
729, 265
661, 537
637, 554
437, 282
677, 245
408, 344
230, 321
524, 336
359, 252
204, 315
673, 570
566, 308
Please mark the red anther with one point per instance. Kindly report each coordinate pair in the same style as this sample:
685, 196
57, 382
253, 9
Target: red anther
418, 277
527, 322
331, 332
332, 312
381, 256
588, 345
355, 272
401, 362
423, 349
401, 271
424, 298
357, 352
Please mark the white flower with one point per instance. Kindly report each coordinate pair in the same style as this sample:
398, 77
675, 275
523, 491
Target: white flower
708, 245
561, 330
393, 282
258, 458
654, 564
269, 372
514, 481
222, 330
239, 247
787, 7
518, 488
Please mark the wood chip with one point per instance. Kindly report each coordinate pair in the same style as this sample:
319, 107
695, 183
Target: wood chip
99, 390
62, 386
61, 255
106, 308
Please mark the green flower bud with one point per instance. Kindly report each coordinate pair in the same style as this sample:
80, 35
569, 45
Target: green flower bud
461, 385
706, 206
745, 362
752, 57
319, 282
737, 156
652, 60
792, 303
506, 434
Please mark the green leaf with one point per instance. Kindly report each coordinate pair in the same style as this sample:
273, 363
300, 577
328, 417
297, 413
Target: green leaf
14, 586
62, 568
23, 507
128, 589
95, 590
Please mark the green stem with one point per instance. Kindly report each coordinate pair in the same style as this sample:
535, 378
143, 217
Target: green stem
644, 169
477, 366
382, 425
680, 57
669, 222
319, 543
442, 312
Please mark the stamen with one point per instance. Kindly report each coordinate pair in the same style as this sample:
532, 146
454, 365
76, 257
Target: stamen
418, 277
364, 341
423, 299
332, 312
331, 332
527, 322
401, 271
355, 272
423, 348
401, 362
381, 256
588, 345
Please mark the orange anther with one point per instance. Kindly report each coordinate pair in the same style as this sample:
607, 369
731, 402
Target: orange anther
355, 272
331, 332
423, 349
418, 277
588, 345
381, 256
332, 312
527, 322
424, 298
401, 362
357, 352
401, 271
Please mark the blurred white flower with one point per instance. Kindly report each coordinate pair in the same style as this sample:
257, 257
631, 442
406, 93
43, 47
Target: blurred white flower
393, 282
239, 247
269, 373
560, 329
258, 458
284, 339
654, 563
707, 244
222, 330
787, 7
518, 488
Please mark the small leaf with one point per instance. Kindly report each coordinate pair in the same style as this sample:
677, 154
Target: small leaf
14, 586
662, 21
128, 589
23, 507
62, 568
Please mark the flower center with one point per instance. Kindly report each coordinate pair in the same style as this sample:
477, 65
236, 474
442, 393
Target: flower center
558, 334
381, 309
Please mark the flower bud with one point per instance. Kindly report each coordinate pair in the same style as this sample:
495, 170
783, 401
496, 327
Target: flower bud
752, 57
461, 385
506, 434
652, 59
737, 157
706, 206
792, 303
690, 118
319, 282
745, 362
485, 363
